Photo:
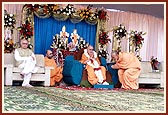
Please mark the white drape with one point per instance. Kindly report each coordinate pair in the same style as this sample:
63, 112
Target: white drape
154, 27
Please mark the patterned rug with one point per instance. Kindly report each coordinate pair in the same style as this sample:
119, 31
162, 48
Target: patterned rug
74, 98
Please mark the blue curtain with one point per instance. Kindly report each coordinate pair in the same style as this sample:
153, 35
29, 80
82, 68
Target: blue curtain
46, 28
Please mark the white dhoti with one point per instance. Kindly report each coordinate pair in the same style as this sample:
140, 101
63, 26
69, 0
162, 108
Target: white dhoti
97, 71
28, 67
99, 75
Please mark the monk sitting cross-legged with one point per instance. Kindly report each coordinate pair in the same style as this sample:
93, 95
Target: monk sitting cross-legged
96, 73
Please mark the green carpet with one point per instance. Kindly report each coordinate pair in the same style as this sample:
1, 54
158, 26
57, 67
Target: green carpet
54, 99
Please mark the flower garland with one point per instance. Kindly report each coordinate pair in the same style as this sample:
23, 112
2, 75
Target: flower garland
136, 39
62, 13
9, 25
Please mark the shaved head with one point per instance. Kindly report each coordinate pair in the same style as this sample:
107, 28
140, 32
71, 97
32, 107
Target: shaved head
115, 55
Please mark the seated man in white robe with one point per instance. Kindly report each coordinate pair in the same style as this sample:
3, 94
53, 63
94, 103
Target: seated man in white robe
25, 59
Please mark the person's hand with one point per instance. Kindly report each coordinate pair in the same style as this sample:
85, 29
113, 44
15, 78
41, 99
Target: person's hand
115, 66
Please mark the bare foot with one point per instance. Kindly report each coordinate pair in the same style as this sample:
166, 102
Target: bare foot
28, 85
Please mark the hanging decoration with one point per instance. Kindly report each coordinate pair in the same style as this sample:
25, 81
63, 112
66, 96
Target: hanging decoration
63, 13
118, 33
9, 25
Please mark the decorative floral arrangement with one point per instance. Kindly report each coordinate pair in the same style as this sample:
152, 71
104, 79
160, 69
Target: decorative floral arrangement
82, 44
9, 25
8, 41
57, 42
26, 30
69, 10
8, 45
41, 9
136, 39
154, 63
119, 32
9, 20
103, 38
85, 13
102, 14
103, 51
62, 13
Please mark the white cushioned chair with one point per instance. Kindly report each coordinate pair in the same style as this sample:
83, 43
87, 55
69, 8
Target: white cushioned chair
12, 73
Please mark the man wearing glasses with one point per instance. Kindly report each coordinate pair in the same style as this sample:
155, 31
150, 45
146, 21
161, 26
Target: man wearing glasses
25, 59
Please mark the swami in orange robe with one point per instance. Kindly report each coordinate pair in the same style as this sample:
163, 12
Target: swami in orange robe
96, 73
129, 69
56, 73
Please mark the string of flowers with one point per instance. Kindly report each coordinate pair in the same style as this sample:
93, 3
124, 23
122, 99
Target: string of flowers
46, 10
136, 39
9, 25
